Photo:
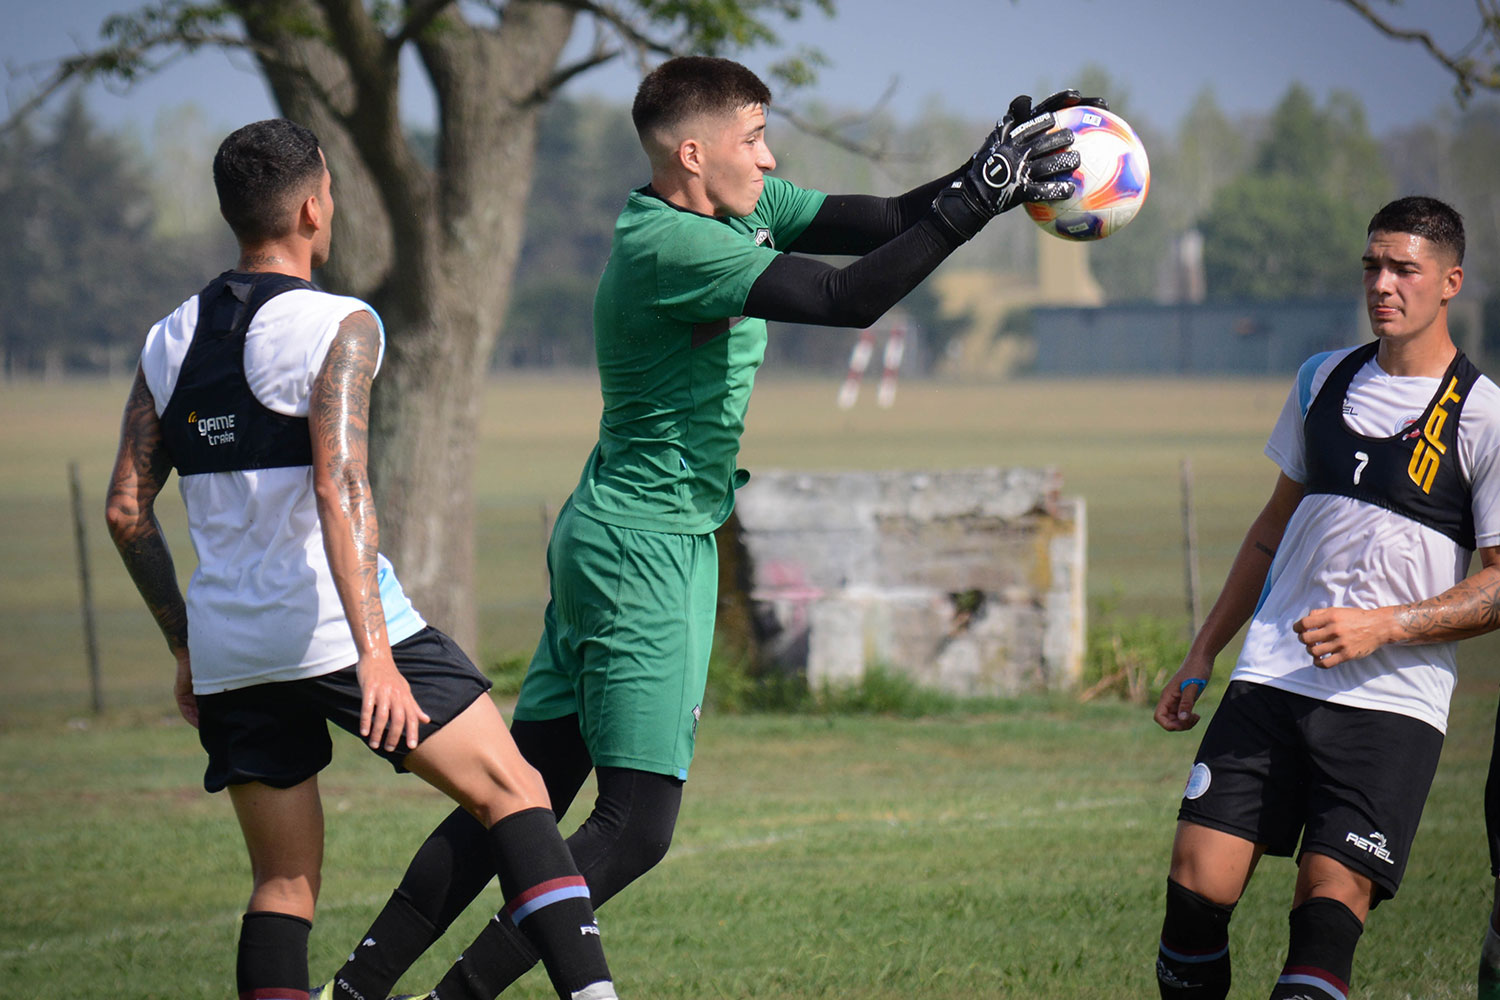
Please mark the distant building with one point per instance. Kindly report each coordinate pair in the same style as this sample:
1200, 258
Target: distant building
1211, 338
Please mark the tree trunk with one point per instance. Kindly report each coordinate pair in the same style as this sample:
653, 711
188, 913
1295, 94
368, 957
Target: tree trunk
424, 416
490, 87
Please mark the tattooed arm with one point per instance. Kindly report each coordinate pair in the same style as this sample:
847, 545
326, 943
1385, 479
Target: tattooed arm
339, 420
1234, 606
141, 470
1468, 608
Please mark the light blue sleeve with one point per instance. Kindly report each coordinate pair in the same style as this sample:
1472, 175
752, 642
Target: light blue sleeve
401, 619
1305, 376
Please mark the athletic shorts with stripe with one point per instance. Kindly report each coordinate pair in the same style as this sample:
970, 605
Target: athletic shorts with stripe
278, 733
1349, 782
626, 641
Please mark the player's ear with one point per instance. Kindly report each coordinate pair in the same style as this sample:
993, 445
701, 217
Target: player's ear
1452, 282
310, 214
690, 155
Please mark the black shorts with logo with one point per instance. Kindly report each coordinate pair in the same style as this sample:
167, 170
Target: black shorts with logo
278, 733
1350, 783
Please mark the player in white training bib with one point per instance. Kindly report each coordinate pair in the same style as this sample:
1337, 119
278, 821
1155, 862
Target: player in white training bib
257, 392
1355, 581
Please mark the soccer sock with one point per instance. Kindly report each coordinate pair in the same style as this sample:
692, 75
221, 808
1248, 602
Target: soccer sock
450, 868
1320, 958
272, 959
394, 941
499, 956
549, 901
1192, 961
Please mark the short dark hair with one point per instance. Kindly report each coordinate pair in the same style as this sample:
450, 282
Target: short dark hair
1433, 220
261, 172
689, 86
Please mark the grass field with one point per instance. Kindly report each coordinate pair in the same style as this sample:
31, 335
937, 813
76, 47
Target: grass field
1018, 852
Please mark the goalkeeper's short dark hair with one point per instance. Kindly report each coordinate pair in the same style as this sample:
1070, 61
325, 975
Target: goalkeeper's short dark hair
261, 172
1433, 220
689, 86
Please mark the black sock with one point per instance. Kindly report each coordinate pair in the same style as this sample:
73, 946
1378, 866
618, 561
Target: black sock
272, 959
1320, 957
499, 956
1192, 961
549, 901
394, 941
448, 871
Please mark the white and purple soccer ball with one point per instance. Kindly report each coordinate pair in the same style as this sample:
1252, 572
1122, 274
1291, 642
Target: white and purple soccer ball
1110, 184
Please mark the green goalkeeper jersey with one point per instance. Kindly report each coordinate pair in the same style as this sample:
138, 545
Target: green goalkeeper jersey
677, 359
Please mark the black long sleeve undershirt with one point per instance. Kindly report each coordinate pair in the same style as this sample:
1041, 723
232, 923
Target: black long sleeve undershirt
855, 224
901, 240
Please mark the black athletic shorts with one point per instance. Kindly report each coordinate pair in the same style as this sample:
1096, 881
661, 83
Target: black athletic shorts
278, 733
1349, 782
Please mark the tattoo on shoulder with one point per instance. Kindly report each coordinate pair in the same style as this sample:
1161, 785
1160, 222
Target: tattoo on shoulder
342, 388
357, 344
1263, 547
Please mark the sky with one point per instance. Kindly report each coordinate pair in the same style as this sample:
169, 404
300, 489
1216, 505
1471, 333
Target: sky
967, 56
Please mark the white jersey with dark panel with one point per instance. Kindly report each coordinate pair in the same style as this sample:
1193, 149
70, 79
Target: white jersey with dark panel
1389, 530
261, 604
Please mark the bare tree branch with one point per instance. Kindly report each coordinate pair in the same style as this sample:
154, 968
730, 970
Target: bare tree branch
836, 132
131, 59
563, 74
644, 47
633, 35
1468, 73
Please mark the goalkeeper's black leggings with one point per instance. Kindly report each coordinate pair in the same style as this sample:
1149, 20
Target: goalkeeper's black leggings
624, 836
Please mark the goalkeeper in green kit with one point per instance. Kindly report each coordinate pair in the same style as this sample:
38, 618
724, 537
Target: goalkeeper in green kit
702, 257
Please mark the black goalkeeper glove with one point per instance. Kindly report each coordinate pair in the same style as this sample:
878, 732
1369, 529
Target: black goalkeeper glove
1022, 110
1020, 161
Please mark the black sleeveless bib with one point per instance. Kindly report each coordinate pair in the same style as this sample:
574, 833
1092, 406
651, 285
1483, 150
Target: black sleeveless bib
213, 422
1414, 473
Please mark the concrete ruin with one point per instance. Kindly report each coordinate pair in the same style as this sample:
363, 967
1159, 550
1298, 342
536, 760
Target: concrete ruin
969, 581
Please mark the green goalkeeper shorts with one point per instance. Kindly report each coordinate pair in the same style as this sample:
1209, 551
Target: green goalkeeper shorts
626, 641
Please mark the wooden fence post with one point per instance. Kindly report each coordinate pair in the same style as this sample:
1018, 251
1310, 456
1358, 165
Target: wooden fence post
90, 639
1190, 546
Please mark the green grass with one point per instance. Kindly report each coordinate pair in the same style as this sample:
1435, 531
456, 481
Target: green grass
1014, 849
1006, 854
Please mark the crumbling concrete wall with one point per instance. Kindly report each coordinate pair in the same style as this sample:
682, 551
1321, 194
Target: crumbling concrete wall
971, 581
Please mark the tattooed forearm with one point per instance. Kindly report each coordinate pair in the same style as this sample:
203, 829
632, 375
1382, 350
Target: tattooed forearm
1469, 608
339, 419
141, 469
149, 562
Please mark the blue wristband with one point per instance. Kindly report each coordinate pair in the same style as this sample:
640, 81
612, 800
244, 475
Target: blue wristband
1194, 680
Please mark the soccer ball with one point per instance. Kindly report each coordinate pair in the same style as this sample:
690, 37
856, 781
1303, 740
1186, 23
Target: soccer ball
1110, 184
